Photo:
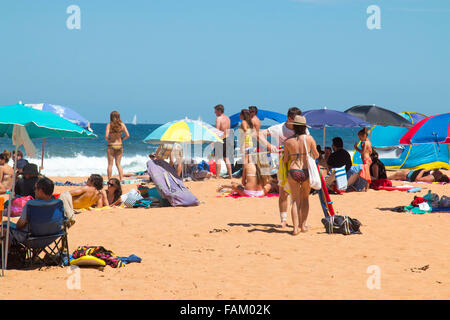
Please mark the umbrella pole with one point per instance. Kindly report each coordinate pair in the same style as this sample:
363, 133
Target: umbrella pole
323, 146
42, 156
9, 214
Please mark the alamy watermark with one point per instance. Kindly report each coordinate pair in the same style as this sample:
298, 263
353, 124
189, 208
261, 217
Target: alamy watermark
374, 280
74, 20
374, 20
73, 282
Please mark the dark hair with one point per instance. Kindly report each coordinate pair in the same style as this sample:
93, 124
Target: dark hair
337, 142
440, 177
299, 129
97, 181
46, 185
220, 108
364, 131
246, 115
118, 192
253, 109
294, 111
19, 153
5, 156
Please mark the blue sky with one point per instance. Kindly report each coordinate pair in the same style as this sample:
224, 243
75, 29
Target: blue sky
168, 59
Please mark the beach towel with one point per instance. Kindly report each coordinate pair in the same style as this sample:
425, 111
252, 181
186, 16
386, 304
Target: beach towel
236, 196
66, 198
109, 257
283, 170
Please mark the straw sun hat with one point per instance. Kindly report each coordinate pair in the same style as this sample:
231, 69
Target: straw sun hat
299, 121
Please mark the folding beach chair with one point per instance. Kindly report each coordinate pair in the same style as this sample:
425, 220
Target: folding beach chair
45, 233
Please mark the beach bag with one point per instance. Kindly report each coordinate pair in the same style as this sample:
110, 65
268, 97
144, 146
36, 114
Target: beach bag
444, 202
129, 199
203, 166
341, 225
314, 178
341, 178
17, 205
170, 187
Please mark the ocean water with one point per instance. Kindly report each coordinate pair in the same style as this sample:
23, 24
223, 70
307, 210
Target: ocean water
82, 157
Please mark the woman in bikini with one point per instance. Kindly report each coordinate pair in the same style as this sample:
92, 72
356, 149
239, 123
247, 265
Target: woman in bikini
366, 152
6, 172
111, 196
296, 149
255, 179
114, 135
420, 175
245, 134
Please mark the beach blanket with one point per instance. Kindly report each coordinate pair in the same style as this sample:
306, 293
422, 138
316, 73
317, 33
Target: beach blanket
235, 195
68, 184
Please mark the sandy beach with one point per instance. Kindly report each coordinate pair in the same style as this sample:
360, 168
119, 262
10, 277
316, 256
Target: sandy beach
233, 249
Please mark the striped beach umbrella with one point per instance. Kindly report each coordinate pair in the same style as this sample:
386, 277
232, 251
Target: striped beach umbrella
185, 131
434, 129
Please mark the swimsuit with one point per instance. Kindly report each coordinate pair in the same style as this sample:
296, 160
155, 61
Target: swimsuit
299, 175
254, 193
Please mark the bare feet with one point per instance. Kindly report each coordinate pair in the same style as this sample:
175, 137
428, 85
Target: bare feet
283, 224
295, 232
305, 229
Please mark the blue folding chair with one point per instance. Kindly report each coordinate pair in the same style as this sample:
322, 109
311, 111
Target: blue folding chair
45, 233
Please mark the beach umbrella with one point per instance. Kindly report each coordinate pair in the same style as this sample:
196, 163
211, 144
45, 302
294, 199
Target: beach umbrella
378, 116
184, 131
63, 112
262, 115
23, 123
322, 118
434, 129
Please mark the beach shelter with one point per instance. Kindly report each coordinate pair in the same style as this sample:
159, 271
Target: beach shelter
262, 115
322, 118
23, 123
395, 155
378, 116
434, 129
63, 112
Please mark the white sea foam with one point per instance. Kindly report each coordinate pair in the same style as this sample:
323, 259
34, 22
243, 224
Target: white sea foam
81, 166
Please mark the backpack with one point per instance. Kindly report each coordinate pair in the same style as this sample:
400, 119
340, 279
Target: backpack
342, 225
170, 187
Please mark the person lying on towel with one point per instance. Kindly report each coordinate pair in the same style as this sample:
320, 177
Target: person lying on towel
255, 180
83, 197
420, 175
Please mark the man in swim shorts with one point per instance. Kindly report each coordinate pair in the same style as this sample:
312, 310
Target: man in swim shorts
222, 151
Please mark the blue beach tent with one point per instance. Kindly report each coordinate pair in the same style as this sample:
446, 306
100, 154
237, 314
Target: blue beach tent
262, 115
385, 141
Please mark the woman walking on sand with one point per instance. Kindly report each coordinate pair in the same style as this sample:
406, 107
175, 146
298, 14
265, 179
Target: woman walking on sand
114, 135
296, 149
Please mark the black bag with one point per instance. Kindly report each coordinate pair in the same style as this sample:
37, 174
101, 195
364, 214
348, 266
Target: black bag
342, 225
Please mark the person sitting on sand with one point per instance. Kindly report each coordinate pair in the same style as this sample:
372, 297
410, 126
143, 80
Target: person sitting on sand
255, 180
84, 197
6, 172
298, 175
21, 162
25, 185
420, 175
111, 196
377, 168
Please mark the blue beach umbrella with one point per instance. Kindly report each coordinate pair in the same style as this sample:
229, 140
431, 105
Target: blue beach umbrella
322, 118
22, 123
63, 112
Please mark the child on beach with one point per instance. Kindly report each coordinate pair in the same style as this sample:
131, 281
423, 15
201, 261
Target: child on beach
366, 152
255, 180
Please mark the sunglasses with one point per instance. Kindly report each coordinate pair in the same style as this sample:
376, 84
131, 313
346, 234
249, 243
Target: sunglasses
110, 184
